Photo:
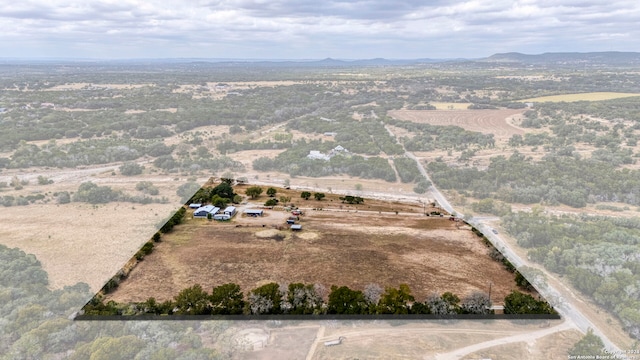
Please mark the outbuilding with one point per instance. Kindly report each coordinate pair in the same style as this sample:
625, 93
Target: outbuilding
204, 211
230, 210
221, 217
296, 227
254, 212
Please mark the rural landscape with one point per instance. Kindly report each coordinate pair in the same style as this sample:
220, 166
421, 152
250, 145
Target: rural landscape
443, 185
381, 262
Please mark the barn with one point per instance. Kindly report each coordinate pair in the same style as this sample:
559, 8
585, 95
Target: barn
204, 211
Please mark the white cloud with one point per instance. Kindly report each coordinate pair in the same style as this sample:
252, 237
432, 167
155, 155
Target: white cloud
303, 29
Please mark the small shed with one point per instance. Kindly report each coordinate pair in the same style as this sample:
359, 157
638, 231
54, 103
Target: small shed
296, 227
195, 205
230, 210
254, 212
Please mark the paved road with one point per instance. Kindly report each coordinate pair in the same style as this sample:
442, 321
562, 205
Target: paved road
562, 301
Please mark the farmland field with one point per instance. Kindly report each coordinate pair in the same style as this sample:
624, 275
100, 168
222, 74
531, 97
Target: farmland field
591, 96
496, 122
430, 254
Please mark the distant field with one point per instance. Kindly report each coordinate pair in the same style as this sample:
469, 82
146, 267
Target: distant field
496, 122
450, 105
592, 96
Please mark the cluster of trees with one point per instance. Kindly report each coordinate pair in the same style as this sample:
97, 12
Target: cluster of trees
94, 194
349, 199
430, 137
294, 161
599, 255
175, 219
195, 164
229, 146
37, 322
299, 298
85, 152
219, 195
367, 136
317, 195
566, 131
407, 170
553, 180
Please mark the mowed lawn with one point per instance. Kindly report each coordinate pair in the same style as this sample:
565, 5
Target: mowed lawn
592, 96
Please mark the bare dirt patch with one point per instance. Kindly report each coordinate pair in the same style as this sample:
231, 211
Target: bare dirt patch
485, 121
431, 254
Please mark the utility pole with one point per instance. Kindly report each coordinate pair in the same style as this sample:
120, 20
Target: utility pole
490, 291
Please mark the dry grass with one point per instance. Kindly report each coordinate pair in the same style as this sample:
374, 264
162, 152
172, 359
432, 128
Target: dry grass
353, 249
496, 122
592, 96
450, 105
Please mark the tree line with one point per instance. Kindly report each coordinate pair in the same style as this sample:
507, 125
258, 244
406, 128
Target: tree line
309, 299
553, 180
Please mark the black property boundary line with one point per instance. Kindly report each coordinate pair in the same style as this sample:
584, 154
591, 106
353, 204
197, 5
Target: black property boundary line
317, 317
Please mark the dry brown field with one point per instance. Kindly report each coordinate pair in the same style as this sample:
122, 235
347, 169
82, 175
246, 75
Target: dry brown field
496, 122
336, 247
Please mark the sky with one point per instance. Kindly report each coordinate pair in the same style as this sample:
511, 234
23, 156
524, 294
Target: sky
313, 29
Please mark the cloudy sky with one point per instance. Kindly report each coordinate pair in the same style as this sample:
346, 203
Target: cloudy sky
313, 29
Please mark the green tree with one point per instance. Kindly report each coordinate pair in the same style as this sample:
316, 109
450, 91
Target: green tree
271, 192
106, 348
305, 195
130, 169
395, 301
224, 190
42, 180
218, 201
192, 301
520, 303
319, 196
589, 345
253, 191
271, 202
285, 199
343, 300
265, 299
227, 299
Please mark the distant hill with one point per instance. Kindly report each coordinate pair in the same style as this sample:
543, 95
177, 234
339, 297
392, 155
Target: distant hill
609, 58
569, 58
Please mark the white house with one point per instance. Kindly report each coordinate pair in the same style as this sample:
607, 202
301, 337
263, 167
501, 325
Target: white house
317, 155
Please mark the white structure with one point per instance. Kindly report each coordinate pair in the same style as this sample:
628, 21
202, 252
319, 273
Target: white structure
254, 212
204, 211
317, 155
221, 217
230, 210
334, 342
195, 206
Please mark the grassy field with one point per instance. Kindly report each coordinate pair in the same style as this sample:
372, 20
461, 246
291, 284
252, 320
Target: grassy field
592, 96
